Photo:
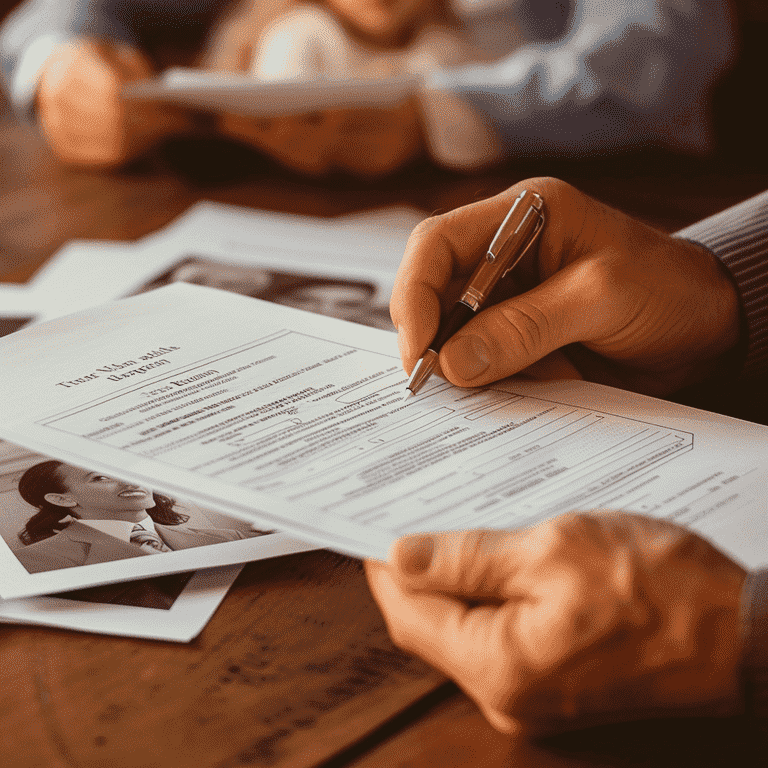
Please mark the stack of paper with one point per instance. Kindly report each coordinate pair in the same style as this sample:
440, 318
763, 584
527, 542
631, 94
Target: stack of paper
256, 414
344, 267
297, 423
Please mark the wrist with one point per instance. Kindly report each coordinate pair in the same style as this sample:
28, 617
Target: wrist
716, 687
736, 237
727, 342
754, 633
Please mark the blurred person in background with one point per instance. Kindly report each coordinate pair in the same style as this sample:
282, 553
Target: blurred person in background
568, 78
343, 39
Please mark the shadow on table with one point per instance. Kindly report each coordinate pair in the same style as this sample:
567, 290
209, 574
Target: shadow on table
699, 742
739, 399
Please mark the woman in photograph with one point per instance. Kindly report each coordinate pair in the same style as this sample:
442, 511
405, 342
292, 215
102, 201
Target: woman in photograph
86, 517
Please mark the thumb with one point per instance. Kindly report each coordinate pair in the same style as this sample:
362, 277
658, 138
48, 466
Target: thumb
510, 336
467, 564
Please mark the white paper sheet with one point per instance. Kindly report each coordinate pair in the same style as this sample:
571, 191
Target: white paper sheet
84, 274
363, 247
297, 421
18, 306
244, 95
182, 622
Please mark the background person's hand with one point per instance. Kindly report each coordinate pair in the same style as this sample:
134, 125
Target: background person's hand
583, 619
81, 110
364, 142
651, 313
368, 142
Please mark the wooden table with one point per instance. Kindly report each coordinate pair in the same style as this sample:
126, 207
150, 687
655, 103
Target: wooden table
296, 668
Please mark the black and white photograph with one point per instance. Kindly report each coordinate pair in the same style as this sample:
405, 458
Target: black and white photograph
345, 299
68, 528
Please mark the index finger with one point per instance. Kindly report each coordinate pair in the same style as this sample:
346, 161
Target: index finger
441, 249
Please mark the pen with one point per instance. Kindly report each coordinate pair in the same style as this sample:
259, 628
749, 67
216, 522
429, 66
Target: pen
514, 237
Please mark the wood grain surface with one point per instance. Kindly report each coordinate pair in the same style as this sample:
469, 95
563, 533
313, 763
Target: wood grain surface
453, 734
294, 667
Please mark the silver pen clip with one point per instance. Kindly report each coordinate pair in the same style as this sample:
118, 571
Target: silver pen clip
514, 227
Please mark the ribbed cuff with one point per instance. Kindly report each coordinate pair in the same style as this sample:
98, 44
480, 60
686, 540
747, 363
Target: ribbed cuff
738, 237
754, 625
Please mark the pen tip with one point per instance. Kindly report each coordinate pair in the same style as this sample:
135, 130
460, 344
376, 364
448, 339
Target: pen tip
407, 394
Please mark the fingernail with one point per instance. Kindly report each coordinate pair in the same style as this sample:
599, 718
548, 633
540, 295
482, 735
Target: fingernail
415, 554
468, 355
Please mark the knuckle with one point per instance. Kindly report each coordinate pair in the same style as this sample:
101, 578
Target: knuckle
547, 186
557, 536
103, 78
597, 272
574, 531
546, 538
428, 229
462, 560
574, 521
555, 546
528, 326
597, 277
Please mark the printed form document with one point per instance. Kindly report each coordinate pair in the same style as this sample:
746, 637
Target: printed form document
297, 421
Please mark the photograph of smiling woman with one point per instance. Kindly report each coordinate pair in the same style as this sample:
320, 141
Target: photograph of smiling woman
86, 518
44, 478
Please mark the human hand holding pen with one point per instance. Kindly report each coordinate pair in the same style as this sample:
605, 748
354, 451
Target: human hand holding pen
634, 307
515, 236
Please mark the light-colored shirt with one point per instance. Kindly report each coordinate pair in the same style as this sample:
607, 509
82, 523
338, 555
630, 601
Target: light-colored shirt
121, 529
593, 76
